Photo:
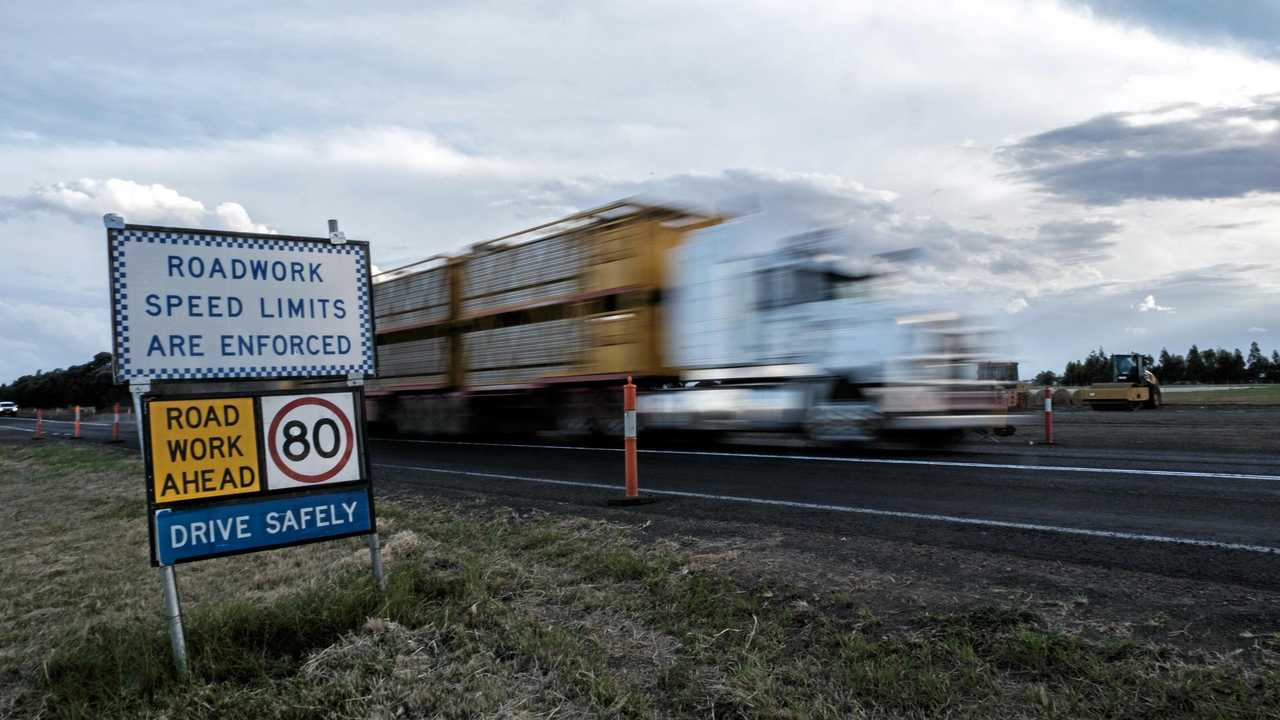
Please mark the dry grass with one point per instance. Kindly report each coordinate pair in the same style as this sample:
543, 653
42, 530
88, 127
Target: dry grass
503, 614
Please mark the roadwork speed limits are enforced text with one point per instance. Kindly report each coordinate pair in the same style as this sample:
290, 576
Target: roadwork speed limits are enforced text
235, 474
203, 304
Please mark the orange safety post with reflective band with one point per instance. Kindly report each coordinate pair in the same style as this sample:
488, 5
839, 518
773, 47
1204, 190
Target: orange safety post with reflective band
1048, 415
629, 436
39, 425
115, 424
75, 435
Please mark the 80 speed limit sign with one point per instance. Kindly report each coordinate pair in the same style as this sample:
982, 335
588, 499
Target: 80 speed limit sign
310, 439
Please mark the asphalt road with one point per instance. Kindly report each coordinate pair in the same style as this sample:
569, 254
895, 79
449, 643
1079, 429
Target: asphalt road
1118, 491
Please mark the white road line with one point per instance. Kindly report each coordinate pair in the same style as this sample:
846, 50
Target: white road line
15, 427
931, 517
877, 461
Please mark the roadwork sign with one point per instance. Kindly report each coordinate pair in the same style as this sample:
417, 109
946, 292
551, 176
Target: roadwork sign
186, 534
203, 449
240, 473
201, 304
310, 440
192, 305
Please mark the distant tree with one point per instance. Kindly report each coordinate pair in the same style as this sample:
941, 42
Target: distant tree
1093, 369
1046, 377
89, 384
1259, 364
1224, 365
1172, 367
1073, 374
1237, 371
1095, 366
1210, 357
1273, 372
1195, 366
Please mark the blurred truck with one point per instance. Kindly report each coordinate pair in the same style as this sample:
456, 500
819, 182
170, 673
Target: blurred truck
537, 330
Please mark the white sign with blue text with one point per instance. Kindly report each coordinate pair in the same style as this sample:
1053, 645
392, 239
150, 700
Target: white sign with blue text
199, 304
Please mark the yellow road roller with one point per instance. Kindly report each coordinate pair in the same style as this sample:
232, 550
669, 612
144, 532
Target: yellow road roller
1130, 385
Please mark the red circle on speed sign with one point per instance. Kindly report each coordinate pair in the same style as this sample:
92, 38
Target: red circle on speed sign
275, 452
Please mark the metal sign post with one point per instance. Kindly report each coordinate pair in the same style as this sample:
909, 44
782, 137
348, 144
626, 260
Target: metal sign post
375, 559
168, 576
356, 379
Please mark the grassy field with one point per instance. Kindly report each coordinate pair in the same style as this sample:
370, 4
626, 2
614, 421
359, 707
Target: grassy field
1255, 395
499, 613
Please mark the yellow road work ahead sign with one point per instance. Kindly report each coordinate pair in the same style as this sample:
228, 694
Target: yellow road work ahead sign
203, 449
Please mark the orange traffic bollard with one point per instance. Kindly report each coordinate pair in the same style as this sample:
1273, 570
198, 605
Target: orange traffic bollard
115, 425
1048, 415
632, 496
39, 425
629, 437
75, 434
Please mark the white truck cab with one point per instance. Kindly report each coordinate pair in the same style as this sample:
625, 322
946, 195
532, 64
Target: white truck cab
798, 338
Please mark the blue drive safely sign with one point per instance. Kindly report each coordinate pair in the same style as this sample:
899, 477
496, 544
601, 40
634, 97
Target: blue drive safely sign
238, 527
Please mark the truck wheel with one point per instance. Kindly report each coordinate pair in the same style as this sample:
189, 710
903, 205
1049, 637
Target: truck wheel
569, 421
842, 422
608, 427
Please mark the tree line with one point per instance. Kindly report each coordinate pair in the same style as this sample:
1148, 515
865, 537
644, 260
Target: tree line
1208, 366
89, 385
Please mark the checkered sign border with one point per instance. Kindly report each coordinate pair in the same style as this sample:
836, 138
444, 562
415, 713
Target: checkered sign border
118, 241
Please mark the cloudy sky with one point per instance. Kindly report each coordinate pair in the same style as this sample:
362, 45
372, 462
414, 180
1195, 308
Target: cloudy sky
1104, 172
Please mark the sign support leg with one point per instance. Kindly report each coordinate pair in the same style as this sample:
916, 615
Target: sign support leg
173, 611
168, 576
356, 379
375, 559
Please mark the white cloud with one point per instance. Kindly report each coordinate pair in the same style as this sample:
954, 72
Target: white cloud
1256, 329
1135, 331
91, 198
1016, 305
379, 147
1149, 304
234, 217
88, 199
1162, 116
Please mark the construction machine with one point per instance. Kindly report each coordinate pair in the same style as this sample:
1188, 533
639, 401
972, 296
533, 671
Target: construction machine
1130, 385
1017, 394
